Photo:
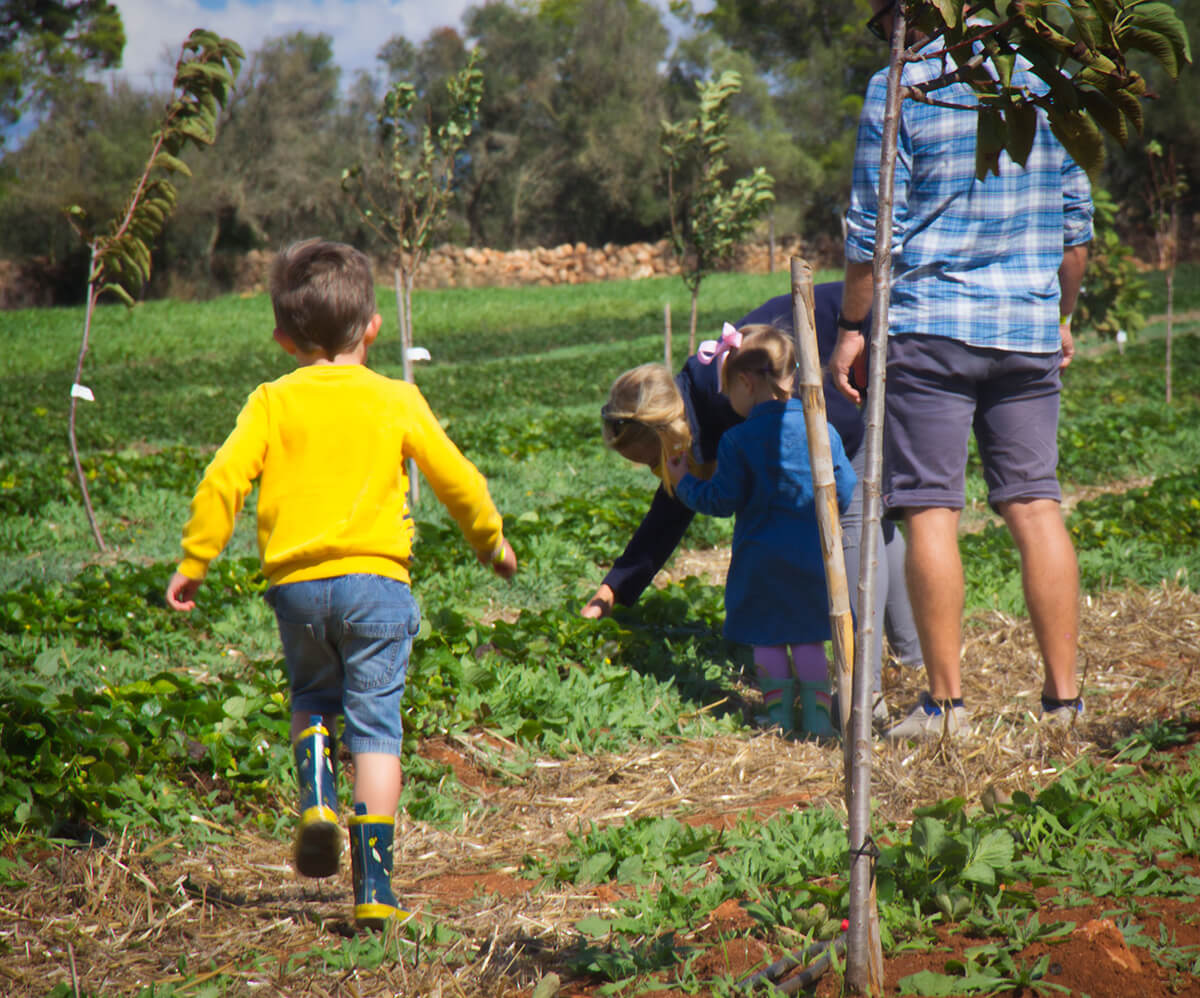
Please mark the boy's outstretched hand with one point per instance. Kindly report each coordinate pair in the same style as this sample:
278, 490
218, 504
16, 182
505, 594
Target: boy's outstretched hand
181, 592
505, 565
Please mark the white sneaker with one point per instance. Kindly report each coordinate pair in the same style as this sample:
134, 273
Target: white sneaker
1063, 716
928, 719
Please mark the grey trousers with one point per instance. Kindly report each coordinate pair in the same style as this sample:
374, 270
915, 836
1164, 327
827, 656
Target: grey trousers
891, 593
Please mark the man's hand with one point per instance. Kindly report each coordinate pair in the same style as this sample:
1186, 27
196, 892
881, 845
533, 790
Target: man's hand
1068, 343
849, 354
599, 605
181, 592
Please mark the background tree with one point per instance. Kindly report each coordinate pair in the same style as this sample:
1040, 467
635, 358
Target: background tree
285, 138
814, 60
708, 218
86, 147
45, 46
120, 254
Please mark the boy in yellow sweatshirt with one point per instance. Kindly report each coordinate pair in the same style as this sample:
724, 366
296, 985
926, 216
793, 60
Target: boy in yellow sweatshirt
328, 444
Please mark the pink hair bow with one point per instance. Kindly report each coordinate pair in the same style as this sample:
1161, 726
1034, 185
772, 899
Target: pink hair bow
710, 350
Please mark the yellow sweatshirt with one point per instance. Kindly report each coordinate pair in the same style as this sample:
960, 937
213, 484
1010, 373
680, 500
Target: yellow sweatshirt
328, 443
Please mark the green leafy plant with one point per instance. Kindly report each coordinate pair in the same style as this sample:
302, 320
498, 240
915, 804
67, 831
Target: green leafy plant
1113, 294
120, 255
708, 218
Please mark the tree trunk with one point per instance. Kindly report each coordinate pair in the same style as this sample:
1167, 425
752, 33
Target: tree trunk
93, 296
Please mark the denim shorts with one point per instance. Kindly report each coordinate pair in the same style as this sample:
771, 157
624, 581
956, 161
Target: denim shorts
346, 641
938, 389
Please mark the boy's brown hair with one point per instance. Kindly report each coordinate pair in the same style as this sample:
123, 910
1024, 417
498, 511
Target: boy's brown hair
765, 350
323, 294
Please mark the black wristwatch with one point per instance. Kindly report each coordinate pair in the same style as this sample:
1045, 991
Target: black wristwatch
857, 325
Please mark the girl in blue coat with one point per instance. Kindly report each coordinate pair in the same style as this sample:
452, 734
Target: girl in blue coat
775, 596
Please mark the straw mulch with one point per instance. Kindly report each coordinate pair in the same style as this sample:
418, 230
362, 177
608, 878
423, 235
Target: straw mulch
113, 919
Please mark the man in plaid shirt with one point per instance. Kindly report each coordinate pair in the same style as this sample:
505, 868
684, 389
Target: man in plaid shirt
985, 278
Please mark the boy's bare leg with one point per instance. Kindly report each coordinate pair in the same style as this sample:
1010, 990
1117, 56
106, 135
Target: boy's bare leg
1050, 577
378, 779
933, 569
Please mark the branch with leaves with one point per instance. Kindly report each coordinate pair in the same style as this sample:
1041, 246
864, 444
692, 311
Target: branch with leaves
1078, 52
708, 218
120, 254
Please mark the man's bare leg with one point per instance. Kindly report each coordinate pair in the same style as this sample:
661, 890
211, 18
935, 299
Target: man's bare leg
933, 568
1050, 577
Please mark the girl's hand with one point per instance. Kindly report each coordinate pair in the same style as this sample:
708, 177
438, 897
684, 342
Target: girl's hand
181, 592
677, 467
599, 605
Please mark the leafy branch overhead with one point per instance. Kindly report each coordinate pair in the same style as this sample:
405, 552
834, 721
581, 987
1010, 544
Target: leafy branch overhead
204, 79
1077, 51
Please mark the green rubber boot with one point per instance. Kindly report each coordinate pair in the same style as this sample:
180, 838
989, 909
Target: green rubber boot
814, 710
318, 839
780, 709
371, 862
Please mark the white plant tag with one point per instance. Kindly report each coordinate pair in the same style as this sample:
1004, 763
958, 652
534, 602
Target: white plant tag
418, 353
79, 391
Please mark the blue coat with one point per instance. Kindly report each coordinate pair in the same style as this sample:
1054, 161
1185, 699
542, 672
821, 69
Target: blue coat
775, 590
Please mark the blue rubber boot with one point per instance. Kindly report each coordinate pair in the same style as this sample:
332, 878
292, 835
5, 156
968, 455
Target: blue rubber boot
814, 710
318, 839
778, 700
371, 862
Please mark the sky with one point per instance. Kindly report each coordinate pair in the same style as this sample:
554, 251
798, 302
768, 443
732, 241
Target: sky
155, 29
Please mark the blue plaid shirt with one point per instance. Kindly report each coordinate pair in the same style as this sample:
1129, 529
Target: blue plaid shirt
974, 260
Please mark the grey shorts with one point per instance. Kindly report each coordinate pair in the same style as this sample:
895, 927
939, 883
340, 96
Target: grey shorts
938, 389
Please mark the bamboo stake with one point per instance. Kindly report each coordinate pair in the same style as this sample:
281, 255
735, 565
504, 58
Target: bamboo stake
812, 395
864, 952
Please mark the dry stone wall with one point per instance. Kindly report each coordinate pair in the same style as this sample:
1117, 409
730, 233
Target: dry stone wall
572, 263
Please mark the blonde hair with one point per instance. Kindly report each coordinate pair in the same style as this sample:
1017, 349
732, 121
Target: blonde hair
765, 350
645, 409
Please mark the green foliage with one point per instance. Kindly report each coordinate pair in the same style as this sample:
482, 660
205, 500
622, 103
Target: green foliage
1079, 53
1113, 295
45, 45
204, 78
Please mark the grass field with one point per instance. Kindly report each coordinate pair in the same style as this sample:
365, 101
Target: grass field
166, 734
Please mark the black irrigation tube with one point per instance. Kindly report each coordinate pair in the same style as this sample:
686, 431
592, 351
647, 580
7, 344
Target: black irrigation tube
821, 955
